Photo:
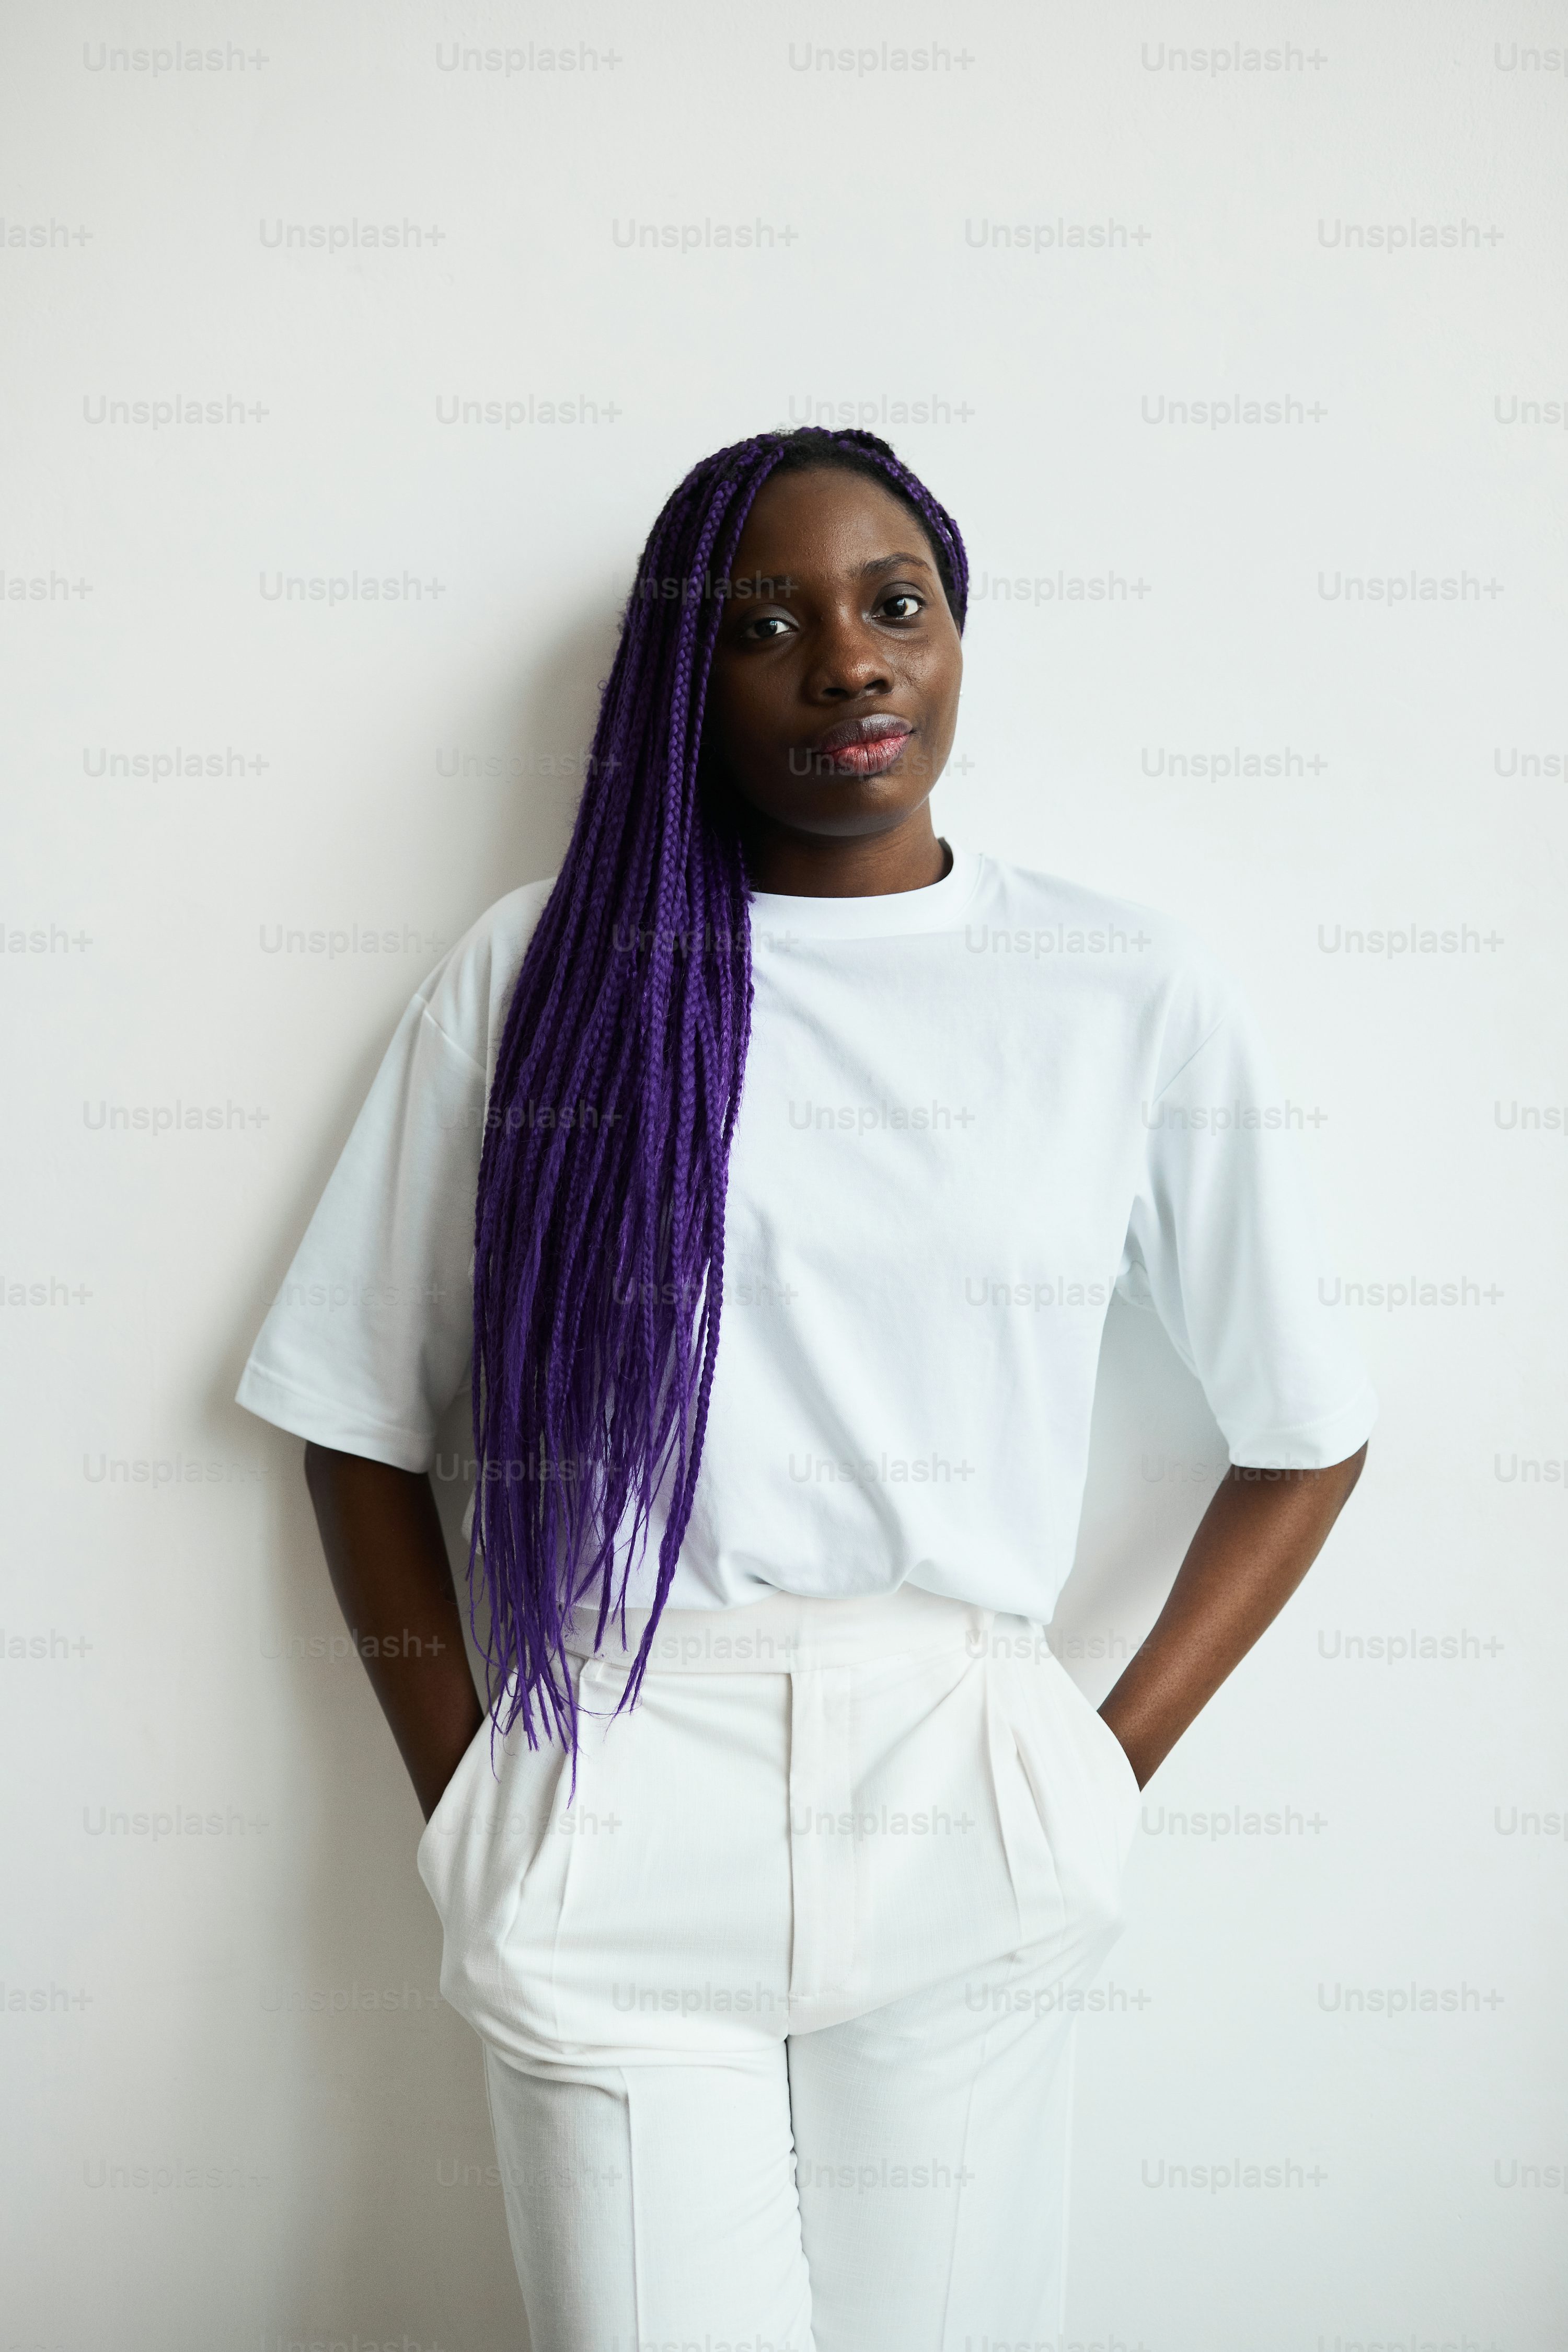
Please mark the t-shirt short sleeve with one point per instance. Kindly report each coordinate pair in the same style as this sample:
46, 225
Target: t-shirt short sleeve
371, 1335
1223, 1243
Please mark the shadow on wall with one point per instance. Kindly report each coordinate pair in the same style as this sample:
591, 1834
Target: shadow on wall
519, 823
1155, 1457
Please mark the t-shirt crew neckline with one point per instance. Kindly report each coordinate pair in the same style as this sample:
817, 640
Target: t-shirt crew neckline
891, 913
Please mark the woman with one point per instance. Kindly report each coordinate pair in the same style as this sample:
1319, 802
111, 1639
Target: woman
793, 1158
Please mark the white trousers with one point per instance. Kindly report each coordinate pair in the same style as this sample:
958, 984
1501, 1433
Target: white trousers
778, 2009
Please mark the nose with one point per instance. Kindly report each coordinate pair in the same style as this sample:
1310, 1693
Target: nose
848, 660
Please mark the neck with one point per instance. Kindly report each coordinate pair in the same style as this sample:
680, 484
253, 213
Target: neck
908, 856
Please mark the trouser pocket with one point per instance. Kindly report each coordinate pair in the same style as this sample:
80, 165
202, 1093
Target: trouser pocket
1083, 1785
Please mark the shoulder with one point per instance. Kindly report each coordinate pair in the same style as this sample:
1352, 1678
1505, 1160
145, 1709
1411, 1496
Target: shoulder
467, 994
1142, 954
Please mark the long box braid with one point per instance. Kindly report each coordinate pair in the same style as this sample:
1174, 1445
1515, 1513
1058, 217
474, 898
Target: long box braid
599, 1235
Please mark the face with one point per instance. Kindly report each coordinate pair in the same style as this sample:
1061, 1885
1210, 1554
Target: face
832, 695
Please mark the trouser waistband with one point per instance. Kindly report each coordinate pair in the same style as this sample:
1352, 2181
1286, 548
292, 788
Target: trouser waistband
787, 1631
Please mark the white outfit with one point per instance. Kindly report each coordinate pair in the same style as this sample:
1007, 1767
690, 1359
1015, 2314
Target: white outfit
969, 1113
779, 2012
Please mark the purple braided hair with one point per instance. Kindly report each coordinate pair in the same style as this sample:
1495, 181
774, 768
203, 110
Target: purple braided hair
599, 1236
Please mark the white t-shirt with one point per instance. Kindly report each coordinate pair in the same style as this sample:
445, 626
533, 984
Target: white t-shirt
969, 1112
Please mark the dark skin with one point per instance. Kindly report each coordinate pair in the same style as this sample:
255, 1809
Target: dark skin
865, 631
836, 614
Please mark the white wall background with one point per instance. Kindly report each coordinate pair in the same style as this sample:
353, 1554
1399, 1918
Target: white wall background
221, 2130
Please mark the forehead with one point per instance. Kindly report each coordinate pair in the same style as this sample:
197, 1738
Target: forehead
827, 520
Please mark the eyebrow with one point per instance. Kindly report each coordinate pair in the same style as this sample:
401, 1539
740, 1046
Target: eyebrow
886, 562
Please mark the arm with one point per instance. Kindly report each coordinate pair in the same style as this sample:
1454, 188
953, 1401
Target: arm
386, 1556
1254, 1544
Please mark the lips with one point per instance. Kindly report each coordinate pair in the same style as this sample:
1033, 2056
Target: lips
864, 746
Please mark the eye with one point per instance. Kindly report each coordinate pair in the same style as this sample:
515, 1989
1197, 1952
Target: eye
908, 599
762, 629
